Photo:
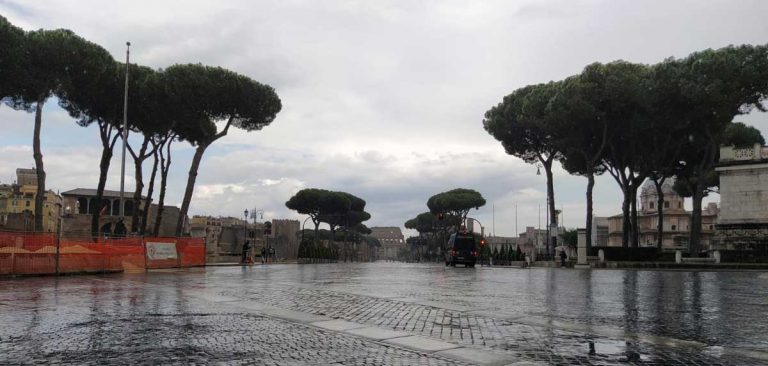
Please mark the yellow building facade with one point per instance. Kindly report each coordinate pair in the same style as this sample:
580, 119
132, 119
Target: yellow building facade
17, 205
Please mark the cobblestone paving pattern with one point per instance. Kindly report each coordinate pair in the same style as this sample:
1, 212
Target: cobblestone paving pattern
131, 325
537, 343
549, 316
720, 308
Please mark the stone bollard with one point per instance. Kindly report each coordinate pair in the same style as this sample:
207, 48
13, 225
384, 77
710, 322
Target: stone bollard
716, 255
601, 255
581, 251
678, 257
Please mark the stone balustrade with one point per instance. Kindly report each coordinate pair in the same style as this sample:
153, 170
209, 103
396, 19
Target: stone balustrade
756, 152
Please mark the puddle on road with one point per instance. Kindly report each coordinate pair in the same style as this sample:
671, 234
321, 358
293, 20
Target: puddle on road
714, 351
628, 351
609, 347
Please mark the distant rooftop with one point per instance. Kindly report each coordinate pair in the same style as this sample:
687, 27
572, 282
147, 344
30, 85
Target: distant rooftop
380, 232
87, 192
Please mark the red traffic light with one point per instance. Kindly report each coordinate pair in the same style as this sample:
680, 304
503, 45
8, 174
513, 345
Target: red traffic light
482, 243
440, 216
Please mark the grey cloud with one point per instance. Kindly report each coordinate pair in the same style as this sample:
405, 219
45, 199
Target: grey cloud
384, 100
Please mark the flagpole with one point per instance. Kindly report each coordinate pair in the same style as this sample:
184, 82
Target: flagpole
125, 131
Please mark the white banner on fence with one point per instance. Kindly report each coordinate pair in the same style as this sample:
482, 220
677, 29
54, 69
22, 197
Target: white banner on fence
161, 251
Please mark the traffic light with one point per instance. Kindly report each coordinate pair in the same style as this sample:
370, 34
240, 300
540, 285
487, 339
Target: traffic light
482, 243
440, 216
267, 228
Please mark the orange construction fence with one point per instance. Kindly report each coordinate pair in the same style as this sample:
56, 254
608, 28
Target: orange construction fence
24, 253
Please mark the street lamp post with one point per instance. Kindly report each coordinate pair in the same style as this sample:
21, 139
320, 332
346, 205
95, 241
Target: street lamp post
255, 214
549, 227
538, 231
302, 236
482, 233
302, 228
124, 132
245, 234
482, 228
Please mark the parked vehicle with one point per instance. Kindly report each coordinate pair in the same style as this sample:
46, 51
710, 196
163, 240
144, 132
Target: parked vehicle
462, 250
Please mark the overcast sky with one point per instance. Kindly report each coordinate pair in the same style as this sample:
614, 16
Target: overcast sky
382, 99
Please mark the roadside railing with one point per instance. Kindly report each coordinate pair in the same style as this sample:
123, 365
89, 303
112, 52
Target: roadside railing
23, 253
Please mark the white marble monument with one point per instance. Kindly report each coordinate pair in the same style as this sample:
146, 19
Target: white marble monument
743, 220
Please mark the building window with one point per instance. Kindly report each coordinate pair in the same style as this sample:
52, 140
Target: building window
115, 207
674, 227
92, 206
128, 208
82, 205
679, 204
651, 204
26, 203
666, 204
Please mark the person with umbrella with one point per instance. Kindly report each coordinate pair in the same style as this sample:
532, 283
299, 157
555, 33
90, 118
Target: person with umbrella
562, 258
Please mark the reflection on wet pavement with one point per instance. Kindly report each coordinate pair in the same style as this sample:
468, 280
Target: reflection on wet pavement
548, 315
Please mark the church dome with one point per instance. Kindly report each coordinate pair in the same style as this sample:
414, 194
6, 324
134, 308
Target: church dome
648, 188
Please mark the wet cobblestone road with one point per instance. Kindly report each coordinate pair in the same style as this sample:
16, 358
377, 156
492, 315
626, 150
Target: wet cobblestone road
276, 315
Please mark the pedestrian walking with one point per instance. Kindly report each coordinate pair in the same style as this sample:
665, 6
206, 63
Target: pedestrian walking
120, 229
562, 258
263, 255
246, 247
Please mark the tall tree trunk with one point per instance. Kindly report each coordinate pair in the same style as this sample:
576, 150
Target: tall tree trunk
106, 157
190, 187
698, 189
695, 229
165, 165
590, 187
592, 161
625, 222
660, 203
138, 172
150, 191
193, 174
551, 237
315, 240
345, 236
625, 182
38, 156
